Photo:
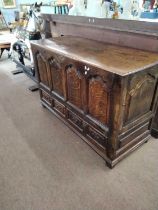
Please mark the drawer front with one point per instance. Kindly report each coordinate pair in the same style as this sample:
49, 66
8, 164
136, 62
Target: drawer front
75, 120
46, 97
93, 134
60, 108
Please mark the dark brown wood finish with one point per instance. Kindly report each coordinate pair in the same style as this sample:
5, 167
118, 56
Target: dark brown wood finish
105, 93
155, 125
135, 34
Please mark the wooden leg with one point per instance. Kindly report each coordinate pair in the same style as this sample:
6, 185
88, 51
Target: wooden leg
2, 50
109, 165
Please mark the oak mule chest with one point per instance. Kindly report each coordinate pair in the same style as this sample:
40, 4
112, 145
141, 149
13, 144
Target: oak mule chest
105, 93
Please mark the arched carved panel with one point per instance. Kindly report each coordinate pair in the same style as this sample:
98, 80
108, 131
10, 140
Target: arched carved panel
98, 102
42, 66
74, 89
139, 97
57, 76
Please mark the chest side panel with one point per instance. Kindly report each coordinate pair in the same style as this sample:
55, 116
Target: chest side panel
139, 96
138, 106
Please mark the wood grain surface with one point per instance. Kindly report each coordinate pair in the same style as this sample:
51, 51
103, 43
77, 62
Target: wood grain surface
113, 58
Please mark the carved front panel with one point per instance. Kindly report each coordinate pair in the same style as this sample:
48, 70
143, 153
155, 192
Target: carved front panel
57, 76
59, 107
98, 100
42, 67
139, 96
74, 86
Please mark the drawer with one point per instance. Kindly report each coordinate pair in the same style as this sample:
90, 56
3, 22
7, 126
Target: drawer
60, 108
94, 135
46, 97
75, 120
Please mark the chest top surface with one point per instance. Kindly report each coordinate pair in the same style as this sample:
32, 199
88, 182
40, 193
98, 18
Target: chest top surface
112, 58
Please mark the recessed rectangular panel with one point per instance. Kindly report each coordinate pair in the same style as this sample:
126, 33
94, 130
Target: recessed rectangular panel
139, 97
74, 86
42, 67
98, 100
57, 75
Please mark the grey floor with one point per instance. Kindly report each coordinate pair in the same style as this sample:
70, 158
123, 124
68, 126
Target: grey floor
45, 166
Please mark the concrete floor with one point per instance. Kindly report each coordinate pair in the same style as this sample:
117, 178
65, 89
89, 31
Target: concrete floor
45, 166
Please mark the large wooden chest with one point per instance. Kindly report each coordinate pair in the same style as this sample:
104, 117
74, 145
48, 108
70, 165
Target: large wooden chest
105, 93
